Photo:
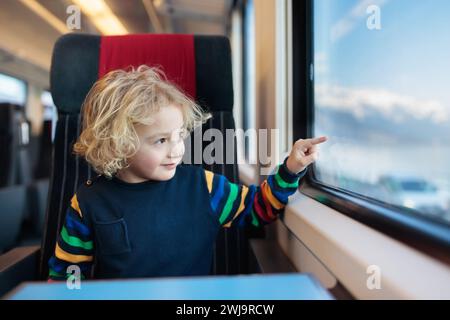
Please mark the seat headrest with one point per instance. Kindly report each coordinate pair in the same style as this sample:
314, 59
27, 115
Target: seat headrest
200, 65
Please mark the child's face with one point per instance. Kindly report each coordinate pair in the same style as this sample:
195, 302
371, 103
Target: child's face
161, 148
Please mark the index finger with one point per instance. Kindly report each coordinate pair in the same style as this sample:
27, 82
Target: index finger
318, 140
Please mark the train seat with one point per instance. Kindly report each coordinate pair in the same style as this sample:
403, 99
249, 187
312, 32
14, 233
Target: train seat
14, 144
200, 65
13, 206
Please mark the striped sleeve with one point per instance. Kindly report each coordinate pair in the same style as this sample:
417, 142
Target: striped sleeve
235, 204
74, 245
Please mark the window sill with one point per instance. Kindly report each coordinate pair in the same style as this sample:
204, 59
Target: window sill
347, 247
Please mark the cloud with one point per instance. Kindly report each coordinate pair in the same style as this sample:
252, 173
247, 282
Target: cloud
362, 101
321, 63
345, 25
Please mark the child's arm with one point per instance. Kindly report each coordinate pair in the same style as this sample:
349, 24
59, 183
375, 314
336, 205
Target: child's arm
260, 205
74, 245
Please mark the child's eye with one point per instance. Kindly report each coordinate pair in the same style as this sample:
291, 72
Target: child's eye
161, 141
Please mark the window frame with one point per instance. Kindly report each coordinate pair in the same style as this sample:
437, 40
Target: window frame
402, 224
248, 115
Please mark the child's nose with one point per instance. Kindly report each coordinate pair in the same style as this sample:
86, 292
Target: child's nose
177, 150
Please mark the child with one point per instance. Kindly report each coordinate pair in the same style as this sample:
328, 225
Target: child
146, 215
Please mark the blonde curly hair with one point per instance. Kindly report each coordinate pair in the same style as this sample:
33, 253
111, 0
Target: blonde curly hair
119, 101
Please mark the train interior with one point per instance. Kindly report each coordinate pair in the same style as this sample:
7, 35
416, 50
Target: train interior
370, 220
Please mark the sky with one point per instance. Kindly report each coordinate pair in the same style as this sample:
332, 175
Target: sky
405, 64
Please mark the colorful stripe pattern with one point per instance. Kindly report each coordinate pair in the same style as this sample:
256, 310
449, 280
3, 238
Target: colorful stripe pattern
74, 245
258, 205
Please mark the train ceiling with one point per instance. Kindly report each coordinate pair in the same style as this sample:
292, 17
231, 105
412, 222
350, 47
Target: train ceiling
29, 28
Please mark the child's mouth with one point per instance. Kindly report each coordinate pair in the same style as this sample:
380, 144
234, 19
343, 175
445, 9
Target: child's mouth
170, 166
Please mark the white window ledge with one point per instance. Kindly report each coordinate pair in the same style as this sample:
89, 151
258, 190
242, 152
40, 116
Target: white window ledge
347, 248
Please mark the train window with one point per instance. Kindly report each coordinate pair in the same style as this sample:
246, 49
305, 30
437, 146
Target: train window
13, 90
380, 94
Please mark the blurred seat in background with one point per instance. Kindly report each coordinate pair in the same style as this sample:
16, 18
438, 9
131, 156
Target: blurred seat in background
14, 144
22, 208
12, 209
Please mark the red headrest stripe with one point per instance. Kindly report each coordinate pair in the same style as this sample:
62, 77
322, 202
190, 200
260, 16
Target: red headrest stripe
174, 54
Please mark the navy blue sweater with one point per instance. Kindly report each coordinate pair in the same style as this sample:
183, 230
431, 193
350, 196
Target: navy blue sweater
161, 228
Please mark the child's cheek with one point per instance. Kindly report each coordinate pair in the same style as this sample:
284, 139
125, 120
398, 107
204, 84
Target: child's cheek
152, 160
146, 159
